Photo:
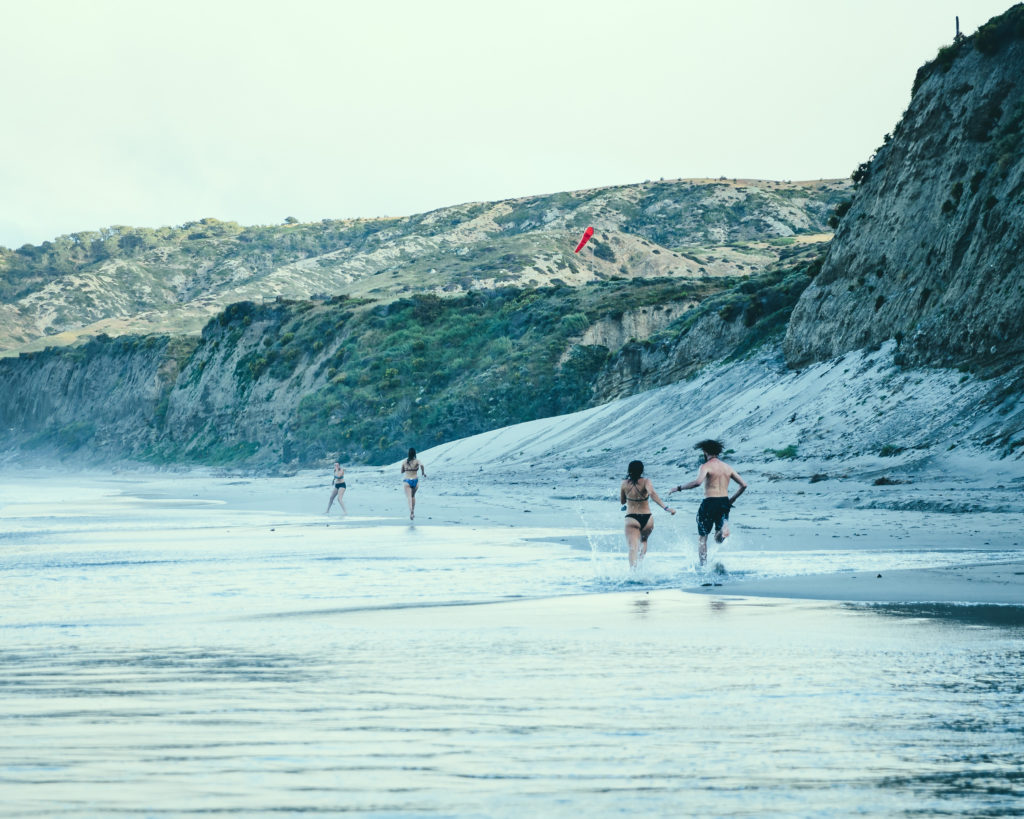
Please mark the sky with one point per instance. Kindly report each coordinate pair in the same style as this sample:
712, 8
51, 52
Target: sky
151, 113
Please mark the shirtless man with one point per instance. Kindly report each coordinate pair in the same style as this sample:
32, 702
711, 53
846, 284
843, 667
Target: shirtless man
714, 509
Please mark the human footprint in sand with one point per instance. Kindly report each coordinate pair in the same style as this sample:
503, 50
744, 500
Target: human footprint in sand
715, 474
634, 493
339, 489
410, 466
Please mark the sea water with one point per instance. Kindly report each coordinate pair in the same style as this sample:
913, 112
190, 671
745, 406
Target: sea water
167, 648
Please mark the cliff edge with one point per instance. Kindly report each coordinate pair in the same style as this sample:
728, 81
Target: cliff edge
929, 251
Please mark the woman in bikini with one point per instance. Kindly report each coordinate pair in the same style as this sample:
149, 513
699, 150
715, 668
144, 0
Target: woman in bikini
634, 494
410, 466
338, 490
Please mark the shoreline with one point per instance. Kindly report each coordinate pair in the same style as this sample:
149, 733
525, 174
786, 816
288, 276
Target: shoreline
808, 522
970, 584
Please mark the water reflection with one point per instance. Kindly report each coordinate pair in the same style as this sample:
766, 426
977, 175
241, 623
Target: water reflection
962, 614
344, 668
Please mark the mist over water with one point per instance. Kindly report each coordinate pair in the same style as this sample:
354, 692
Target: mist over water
176, 646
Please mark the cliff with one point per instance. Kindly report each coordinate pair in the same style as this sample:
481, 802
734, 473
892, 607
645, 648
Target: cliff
724, 327
476, 317
295, 382
929, 252
109, 396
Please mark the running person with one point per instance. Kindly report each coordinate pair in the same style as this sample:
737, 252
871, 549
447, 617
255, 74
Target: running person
410, 466
715, 474
635, 493
339, 489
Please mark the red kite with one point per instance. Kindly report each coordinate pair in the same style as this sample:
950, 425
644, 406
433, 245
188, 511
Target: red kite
586, 237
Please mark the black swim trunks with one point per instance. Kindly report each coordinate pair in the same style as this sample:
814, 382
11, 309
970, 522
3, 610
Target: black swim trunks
713, 513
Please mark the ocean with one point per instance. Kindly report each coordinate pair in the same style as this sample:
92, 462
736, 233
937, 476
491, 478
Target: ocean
192, 643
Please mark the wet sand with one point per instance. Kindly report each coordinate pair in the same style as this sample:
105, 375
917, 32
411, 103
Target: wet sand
186, 643
984, 584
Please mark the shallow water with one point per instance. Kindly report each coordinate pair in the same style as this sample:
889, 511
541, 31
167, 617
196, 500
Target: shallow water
162, 653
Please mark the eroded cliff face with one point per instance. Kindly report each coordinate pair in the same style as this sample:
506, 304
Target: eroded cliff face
931, 251
640, 366
224, 407
723, 327
109, 395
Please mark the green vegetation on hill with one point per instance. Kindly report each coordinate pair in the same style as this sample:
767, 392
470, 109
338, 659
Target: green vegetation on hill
989, 39
425, 369
124, 280
298, 381
761, 303
194, 245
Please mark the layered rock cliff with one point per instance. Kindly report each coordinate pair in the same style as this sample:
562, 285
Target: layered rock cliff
109, 396
294, 382
930, 251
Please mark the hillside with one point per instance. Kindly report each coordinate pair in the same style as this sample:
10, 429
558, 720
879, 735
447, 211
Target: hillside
929, 251
428, 329
859, 415
298, 381
124, 280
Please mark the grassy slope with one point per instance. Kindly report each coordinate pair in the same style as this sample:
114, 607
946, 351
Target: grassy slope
140, 280
298, 381
431, 369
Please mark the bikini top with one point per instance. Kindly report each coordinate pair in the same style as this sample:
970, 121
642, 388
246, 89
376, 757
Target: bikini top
644, 499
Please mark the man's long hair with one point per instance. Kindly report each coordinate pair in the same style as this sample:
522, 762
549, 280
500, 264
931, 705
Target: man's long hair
711, 447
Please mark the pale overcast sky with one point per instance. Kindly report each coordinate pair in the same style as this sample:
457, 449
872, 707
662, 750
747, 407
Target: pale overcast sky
140, 112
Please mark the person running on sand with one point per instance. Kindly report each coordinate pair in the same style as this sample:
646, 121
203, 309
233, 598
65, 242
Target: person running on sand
714, 509
409, 468
634, 494
339, 489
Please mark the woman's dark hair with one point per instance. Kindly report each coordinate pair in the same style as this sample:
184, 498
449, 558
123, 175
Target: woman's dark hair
635, 470
711, 447
412, 454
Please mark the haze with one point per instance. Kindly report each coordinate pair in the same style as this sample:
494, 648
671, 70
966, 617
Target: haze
159, 113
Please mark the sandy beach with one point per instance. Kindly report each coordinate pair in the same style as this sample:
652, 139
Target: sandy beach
858, 529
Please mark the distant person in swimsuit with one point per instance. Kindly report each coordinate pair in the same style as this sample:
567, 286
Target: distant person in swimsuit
634, 494
410, 466
714, 509
339, 489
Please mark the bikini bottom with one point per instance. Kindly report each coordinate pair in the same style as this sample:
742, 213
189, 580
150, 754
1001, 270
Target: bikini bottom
642, 519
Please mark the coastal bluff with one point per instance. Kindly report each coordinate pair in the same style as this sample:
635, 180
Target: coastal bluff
929, 251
